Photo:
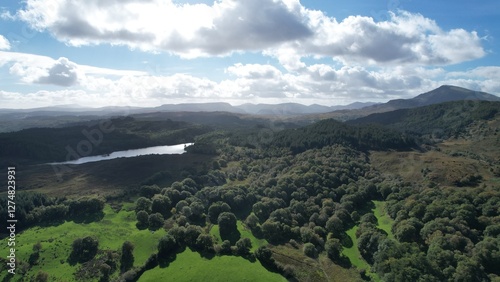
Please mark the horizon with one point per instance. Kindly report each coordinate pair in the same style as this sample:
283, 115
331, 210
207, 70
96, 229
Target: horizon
147, 54
77, 106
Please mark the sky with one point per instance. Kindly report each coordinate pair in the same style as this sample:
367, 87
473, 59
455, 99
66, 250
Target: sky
97, 53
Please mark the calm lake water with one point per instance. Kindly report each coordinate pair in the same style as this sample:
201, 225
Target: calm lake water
157, 150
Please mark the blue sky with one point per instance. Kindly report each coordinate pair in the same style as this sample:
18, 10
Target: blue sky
147, 53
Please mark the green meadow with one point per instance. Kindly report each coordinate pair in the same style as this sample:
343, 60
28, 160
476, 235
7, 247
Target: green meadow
111, 231
116, 227
190, 266
384, 222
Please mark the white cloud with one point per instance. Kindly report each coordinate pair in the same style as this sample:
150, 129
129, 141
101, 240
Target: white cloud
283, 28
254, 71
4, 43
404, 38
259, 83
187, 30
36, 69
481, 78
319, 83
62, 73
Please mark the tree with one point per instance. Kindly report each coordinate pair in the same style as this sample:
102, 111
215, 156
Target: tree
216, 209
252, 221
469, 269
265, 256
197, 210
191, 234
127, 256
368, 243
333, 249
143, 204
227, 224
309, 250
225, 247
142, 219
84, 249
282, 216
166, 246
272, 231
42, 276
369, 217
243, 246
149, 191
161, 204
37, 247
488, 254
86, 206
105, 270
179, 233
205, 242
492, 230
155, 221
406, 232
335, 225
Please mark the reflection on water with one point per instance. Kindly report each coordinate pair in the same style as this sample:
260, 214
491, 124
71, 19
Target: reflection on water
158, 150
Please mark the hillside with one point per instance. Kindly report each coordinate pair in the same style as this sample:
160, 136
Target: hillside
330, 132
440, 120
328, 201
445, 93
59, 116
102, 137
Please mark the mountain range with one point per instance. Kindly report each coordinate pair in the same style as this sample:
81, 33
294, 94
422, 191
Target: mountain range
255, 109
445, 93
16, 119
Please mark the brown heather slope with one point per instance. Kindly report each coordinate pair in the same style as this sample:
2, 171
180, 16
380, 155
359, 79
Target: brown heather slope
476, 152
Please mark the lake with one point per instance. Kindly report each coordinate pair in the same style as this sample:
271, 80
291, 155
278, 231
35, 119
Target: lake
156, 150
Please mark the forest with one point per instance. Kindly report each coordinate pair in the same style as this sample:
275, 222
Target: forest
305, 202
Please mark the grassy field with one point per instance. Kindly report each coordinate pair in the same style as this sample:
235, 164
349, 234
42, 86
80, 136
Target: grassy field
353, 252
384, 223
190, 266
56, 242
112, 231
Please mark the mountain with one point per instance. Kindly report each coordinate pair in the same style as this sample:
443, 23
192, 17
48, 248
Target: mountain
283, 109
55, 115
445, 93
439, 120
197, 107
354, 106
297, 109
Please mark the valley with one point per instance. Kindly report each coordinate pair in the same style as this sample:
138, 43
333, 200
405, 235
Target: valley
406, 195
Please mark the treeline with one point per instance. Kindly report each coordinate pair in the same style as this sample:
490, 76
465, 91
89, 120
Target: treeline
95, 138
441, 120
34, 208
440, 234
311, 198
330, 132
